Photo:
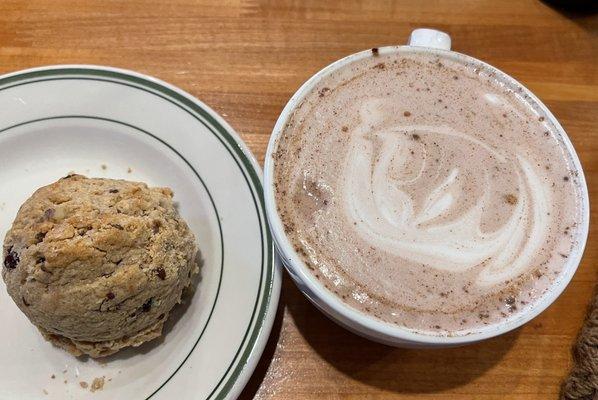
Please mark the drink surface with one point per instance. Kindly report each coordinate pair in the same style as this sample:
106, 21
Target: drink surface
426, 192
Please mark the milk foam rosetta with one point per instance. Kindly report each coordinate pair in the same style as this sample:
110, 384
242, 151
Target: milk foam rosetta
426, 193
378, 201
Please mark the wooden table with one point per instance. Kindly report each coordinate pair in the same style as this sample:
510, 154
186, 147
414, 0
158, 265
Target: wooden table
246, 58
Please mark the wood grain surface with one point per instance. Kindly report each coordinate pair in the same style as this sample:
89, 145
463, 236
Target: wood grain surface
246, 58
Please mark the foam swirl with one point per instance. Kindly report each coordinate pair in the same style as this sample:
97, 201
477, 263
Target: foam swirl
434, 230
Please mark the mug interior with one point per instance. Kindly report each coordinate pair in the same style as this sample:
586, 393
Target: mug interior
368, 324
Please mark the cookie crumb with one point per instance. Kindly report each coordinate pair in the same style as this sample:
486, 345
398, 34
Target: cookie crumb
104, 167
53, 376
45, 392
65, 381
407, 113
97, 384
83, 384
129, 170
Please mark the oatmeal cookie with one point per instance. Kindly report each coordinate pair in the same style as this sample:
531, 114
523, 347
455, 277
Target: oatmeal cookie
98, 264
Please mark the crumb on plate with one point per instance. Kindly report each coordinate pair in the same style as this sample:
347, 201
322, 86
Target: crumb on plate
97, 384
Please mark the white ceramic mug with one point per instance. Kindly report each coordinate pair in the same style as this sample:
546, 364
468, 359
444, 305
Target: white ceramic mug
437, 43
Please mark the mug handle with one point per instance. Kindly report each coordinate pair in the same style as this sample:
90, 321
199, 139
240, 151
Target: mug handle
432, 38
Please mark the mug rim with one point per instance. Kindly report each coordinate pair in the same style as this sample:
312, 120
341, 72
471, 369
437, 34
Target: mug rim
368, 325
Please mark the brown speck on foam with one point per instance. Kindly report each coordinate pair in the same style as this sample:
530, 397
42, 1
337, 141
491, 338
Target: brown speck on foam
53, 376
541, 119
379, 66
565, 178
129, 170
345, 129
511, 199
323, 91
104, 167
83, 384
538, 274
375, 51
407, 114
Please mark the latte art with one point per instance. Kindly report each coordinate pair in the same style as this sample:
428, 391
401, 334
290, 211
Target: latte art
383, 165
426, 193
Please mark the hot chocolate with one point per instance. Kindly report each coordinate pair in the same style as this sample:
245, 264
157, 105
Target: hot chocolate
426, 192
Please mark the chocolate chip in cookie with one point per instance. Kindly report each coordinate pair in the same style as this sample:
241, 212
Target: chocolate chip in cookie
147, 305
39, 237
12, 259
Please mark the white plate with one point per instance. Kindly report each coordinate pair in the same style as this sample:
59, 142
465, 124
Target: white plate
105, 122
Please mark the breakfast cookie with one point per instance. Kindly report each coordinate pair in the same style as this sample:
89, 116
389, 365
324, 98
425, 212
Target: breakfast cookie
98, 264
